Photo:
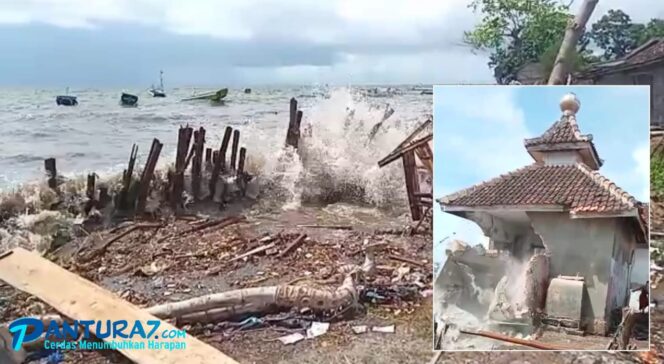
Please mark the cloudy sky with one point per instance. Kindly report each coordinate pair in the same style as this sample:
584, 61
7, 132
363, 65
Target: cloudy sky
488, 134
126, 42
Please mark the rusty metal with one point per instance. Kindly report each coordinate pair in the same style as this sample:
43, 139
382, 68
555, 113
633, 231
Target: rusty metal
530, 343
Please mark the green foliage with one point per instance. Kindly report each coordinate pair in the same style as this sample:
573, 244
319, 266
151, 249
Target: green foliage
617, 35
657, 175
516, 32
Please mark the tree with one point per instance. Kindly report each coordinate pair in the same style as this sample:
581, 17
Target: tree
617, 35
516, 32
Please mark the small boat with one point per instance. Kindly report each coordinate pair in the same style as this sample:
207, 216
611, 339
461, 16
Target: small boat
426, 92
66, 100
128, 99
247, 90
214, 96
159, 92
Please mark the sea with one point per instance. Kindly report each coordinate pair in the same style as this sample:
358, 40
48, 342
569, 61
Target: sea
97, 135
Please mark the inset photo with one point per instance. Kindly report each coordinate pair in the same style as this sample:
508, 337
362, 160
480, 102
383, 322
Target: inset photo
541, 217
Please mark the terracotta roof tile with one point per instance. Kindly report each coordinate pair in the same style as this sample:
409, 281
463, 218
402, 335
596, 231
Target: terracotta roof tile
566, 130
575, 187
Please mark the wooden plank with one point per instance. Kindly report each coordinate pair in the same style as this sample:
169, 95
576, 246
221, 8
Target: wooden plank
236, 144
81, 299
404, 150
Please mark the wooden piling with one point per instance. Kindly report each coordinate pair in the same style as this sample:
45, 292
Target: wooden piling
184, 140
240, 163
208, 155
236, 142
215, 157
293, 134
148, 173
51, 172
123, 202
90, 187
197, 164
219, 163
412, 185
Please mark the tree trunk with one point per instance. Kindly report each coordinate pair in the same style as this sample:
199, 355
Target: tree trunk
562, 66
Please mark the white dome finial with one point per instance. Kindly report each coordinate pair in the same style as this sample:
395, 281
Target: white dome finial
570, 104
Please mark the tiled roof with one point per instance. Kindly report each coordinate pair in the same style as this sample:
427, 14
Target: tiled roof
650, 52
566, 130
575, 187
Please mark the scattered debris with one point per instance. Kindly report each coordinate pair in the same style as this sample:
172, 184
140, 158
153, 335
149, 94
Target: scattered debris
384, 329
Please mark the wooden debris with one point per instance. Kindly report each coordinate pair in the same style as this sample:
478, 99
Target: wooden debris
331, 227
148, 173
406, 260
254, 251
220, 224
104, 246
294, 245
219, 163
81, 299
51, 173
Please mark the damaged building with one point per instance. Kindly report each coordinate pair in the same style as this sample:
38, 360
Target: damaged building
575, 232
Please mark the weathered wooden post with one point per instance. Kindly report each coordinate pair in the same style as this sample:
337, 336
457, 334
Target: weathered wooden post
51, 173
197, 164
293, 134
219, 162
184, 139
148, 173
90, 187
208, 155
236, 142
240, 177
122, 202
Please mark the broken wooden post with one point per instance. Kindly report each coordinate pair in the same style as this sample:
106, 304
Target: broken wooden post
575, 28
148, 173
215, 157
240, 176
240, 163
197, 164
412, 184
90, 187
51, 172
219, 163
293, 134
122, 202
184, 139
208, 155
104, 196
236, 142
